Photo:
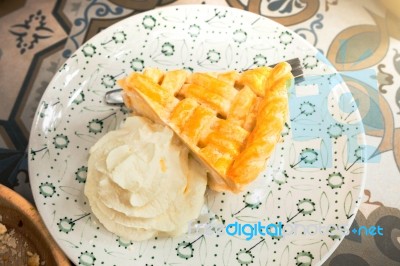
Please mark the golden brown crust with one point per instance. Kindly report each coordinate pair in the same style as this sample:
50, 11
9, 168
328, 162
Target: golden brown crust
260, 144
230, 121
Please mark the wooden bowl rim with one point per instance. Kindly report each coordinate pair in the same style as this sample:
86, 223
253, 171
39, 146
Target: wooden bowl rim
21, 205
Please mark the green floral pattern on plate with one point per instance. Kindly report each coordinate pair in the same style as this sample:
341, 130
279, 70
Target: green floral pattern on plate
299, 184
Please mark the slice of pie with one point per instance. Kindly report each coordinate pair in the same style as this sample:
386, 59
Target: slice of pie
231, 121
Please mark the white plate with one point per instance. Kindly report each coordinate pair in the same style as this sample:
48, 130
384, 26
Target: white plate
315, 176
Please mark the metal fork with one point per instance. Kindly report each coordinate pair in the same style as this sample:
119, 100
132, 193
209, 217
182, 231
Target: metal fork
114, 97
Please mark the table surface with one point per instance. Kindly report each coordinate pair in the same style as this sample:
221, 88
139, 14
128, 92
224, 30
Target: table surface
37, 37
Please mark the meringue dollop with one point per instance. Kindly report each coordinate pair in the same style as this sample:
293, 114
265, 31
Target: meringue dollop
142, 182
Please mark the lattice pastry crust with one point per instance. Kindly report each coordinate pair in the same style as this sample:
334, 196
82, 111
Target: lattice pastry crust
231, 121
